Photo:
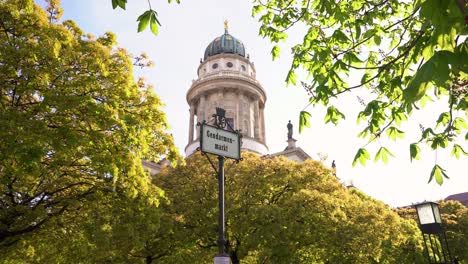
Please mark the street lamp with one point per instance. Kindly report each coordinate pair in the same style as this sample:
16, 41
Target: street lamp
435, 241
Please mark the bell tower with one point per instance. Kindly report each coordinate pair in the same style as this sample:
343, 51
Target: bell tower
226, 79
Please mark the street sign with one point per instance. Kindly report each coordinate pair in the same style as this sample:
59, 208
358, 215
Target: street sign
220, 142
222, 259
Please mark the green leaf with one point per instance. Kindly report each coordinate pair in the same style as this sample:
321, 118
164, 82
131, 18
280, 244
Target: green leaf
457, 150
362, 156
333, 115
291, 77
304, 120
257, 9
439, 141
394, 133
361, 117
144, 20
439, 174
459, 123
369, 33
428, 51
154, 27
383, 154
357, 28
154, 22
377, 39
119, 3
443, 119
340, 36
275, 51
427, 132
352, 59
414, 151
435, 70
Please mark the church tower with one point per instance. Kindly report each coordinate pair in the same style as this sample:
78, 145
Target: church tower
226, 79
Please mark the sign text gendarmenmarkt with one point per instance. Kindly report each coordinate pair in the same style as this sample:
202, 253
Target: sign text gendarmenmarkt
219, 141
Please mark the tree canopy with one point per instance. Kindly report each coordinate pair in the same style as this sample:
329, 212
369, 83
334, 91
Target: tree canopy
454, 217
406, 53
74, 119
277, 211
280, 211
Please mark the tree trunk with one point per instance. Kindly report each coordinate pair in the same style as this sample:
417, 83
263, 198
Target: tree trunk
149, 260
235, 258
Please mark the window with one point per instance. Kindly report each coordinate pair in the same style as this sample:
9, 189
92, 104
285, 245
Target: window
215, 66
243, 68
229, 64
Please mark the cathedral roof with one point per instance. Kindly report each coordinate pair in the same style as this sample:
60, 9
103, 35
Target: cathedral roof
225, 43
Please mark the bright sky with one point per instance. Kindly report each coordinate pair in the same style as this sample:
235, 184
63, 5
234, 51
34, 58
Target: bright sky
189, 27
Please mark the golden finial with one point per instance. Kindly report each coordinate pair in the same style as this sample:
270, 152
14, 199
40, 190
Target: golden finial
226, 25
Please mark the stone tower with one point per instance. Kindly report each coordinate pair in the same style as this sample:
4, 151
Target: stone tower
226, 79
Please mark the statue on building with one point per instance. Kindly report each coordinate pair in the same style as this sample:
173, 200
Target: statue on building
290, 130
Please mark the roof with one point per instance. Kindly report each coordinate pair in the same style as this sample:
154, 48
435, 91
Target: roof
296, 154
461, 197
225, 43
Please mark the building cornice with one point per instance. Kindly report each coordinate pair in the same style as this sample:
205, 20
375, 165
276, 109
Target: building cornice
245, 83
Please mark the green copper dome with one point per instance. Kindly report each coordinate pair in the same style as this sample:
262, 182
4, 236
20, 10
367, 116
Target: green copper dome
225, 43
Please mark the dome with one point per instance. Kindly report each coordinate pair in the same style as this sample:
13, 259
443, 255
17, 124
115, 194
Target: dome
225, 43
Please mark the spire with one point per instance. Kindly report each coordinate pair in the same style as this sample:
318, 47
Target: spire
226, 26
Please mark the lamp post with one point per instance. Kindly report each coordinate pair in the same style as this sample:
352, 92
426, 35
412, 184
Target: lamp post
435, 241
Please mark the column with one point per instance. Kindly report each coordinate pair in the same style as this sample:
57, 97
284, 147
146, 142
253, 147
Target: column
262, 125
256, 119
201, 109
191, 124
237, 118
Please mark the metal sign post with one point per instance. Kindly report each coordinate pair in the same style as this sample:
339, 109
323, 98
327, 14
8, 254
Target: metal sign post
225, 144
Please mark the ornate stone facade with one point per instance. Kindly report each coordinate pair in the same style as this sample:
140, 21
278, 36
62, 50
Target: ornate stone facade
226, 79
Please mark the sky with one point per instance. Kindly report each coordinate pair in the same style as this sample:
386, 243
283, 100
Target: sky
187, 28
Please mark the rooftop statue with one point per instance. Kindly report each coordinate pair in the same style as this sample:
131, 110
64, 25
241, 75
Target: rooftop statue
290, 130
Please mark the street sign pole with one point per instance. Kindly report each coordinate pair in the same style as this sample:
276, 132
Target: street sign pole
225, 143
221, 223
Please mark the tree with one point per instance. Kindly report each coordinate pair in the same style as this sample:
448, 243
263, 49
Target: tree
74, 120
279, 211
109, 228
455, 217
407, 53
455, 223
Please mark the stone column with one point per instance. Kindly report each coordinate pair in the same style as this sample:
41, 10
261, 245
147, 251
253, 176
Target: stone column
262, 124
191, 124
237, 118
256, 119
201, 109
242, 112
